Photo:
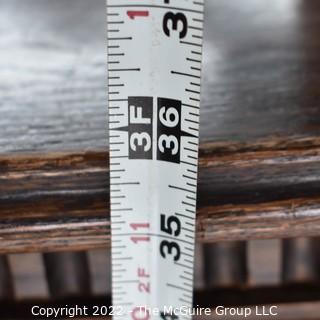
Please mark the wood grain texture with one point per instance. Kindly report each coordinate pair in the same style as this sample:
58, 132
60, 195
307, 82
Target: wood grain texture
260, 123
52, 76
260, 73
59, 201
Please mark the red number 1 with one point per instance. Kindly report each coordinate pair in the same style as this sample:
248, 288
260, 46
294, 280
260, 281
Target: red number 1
133, 14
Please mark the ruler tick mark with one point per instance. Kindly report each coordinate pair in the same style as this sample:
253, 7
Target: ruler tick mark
197, 20
122, 209
188, 204
178, 287
195, 28
191, 43
192, 91
119, 38
125, 69
191, 184
188, 255
189, 105
191, 150
184, 216
189, 163
191, 178
115, 22
117, 100
118, 157
181, 189
125, 183
185, 74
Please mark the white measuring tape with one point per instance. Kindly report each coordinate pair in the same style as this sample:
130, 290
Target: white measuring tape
154, 65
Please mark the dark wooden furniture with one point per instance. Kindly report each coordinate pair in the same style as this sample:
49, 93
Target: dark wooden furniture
259, 154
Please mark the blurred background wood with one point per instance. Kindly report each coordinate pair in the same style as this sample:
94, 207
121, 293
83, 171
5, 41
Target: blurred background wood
6, 280
68, 274
225, 264
264, 262
300, 260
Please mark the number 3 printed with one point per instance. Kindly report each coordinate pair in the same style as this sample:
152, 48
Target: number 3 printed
175, 18
170, 142
170, 247
139, 139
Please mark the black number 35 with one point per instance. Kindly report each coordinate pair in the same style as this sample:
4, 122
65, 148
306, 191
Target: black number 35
175, 18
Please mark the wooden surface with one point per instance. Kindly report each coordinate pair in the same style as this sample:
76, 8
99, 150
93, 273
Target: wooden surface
260, 123
58, 201
260, 73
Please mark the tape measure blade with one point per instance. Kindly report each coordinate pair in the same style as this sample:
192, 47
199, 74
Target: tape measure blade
154, 71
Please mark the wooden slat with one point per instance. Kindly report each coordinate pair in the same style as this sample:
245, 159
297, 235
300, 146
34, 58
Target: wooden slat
266, 189
100, 271
264, 262
29, 276
67, 274
6, 280
300, 260
225, 264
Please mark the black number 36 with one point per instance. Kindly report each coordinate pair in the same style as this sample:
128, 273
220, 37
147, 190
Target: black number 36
175, 18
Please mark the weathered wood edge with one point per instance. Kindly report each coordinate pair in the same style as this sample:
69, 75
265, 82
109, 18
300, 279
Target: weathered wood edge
42, 206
